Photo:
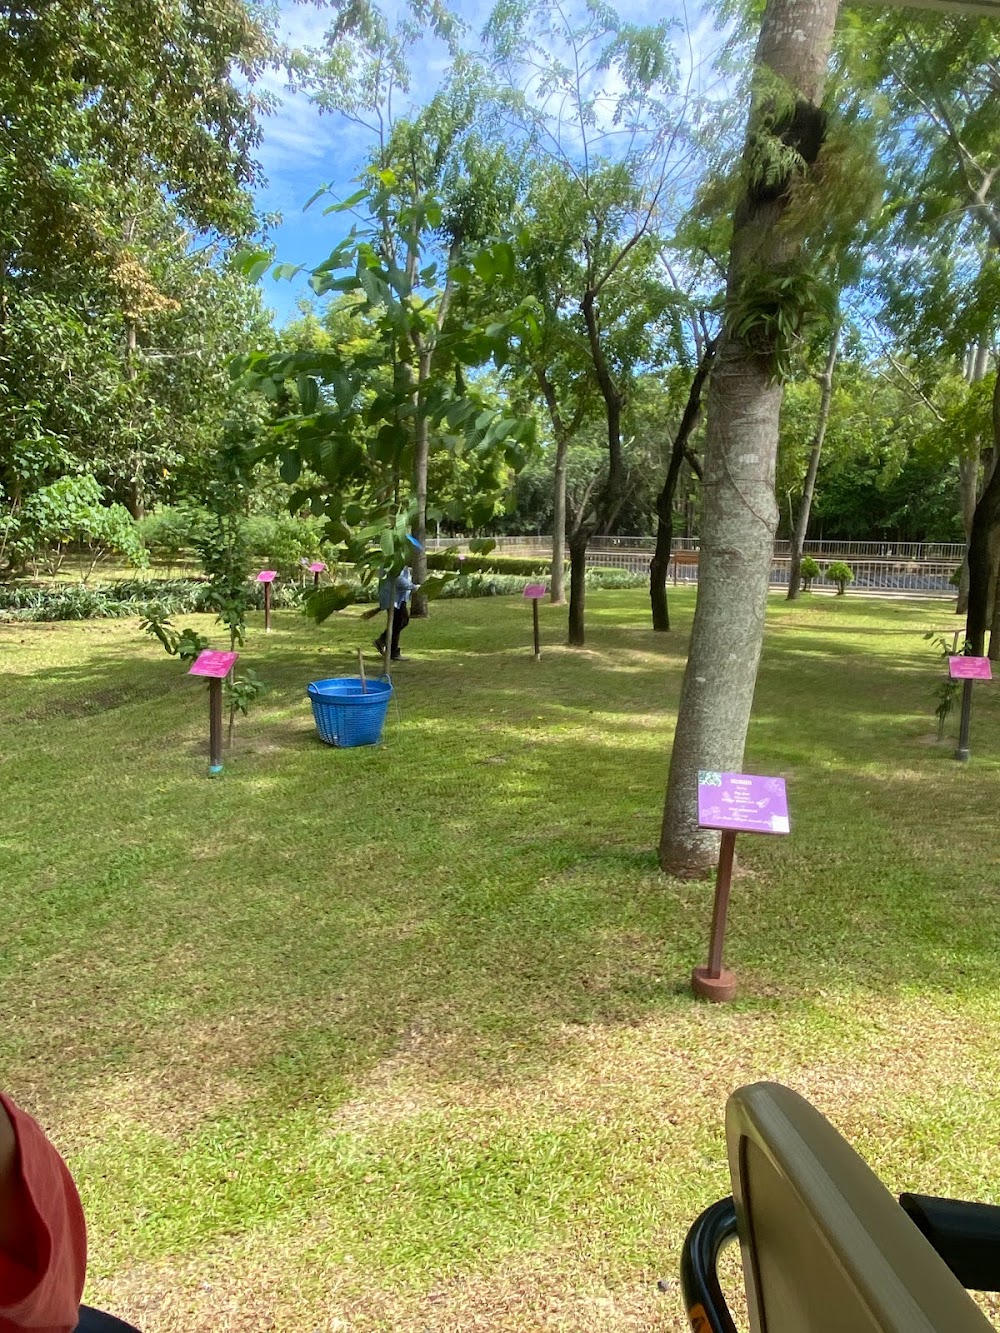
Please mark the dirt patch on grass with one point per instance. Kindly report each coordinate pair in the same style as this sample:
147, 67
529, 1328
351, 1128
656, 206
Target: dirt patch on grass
239, 1291
98, 701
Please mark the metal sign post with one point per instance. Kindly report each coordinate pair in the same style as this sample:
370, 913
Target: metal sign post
317, 567
216, 666
267, 577
967, 669
534, 592
732, 802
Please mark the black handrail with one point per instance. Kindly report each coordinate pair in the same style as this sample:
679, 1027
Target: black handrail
710, 1234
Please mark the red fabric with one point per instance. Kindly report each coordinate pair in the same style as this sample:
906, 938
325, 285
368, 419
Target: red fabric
45, 1295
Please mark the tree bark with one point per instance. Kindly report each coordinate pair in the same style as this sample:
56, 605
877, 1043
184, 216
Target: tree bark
977, 364
557, 589
577, 573
562, 437
612, 494
968, 484
744, 402
983, 546
665, 500
809, 485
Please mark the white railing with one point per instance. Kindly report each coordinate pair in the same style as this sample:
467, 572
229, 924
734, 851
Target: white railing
919, 552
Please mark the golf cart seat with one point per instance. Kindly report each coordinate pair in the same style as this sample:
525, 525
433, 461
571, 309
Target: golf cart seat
825, 1247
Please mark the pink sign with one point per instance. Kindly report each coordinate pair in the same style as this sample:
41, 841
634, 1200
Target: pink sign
970, 668
741, 801
267, 576
213, 664
317, 567
535, 590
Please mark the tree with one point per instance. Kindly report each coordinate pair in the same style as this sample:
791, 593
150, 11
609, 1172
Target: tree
938, 79
363, 74
347, 419
825, 380
768, 294
680, 452
598, 98
127, 134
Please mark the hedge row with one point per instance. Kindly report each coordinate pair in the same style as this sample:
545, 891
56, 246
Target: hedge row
449, 562
130, 597
174, 597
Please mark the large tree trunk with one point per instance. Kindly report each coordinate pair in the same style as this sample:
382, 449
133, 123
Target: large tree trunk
612, 494
557, 591
983, 546
744, 403
809, 485
977, 364
968, 483
665, 500
577, 587
562, 434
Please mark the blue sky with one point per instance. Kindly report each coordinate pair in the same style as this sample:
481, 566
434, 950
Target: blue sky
303, 149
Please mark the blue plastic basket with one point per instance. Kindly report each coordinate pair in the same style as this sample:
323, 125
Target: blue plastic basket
344, 715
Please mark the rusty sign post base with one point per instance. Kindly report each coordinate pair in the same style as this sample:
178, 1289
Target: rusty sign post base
715, 982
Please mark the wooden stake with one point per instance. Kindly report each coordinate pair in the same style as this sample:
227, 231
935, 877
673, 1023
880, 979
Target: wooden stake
538, 641
361, 669
267, 608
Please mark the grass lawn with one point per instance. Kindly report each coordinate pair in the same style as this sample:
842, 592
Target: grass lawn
401, 1038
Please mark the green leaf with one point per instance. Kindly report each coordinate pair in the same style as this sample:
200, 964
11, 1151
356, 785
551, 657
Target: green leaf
351, 201
290, 466
484, 266
433, 586
313, 197
308, 393
387, 543
252, 263
322, 603
288, 271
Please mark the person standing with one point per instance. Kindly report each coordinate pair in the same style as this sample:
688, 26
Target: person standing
395, 592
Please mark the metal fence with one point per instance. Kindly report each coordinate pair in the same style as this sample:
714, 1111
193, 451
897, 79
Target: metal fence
897, 552
925, 573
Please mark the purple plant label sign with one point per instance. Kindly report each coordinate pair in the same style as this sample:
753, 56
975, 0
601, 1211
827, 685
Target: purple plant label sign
535, 590
970, 668
742, 801
211, 663
267, 576
317, 567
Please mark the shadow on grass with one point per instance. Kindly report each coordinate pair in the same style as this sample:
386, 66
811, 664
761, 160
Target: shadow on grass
486, 877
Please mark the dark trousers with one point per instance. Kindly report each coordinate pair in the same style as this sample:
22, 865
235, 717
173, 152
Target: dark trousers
400, 620
96, 1321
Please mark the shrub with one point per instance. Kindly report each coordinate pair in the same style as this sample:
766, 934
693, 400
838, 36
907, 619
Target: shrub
487, 564
842, 574
69, 514
599, 576
808, 570
283, 543
172, 532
